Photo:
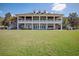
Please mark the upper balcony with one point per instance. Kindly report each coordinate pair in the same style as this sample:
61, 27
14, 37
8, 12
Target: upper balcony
41, 19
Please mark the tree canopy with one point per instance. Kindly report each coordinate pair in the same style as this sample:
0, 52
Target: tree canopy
8, 18
73, 19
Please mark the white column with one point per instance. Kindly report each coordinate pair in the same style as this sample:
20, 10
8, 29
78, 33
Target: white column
46, 26
54, 22
54, 26
39, 22
46, 23
32, 22
61, 23
17, 22
24, 25
61, 26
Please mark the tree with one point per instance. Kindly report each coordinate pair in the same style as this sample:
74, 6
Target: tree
7, 15
73, 19
1, 19
65, 22
8, 20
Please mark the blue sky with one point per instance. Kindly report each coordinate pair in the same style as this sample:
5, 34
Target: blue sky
15, 8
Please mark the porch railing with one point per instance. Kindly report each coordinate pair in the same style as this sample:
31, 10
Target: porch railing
41, 21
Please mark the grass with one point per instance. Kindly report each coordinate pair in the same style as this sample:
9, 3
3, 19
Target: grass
39, 43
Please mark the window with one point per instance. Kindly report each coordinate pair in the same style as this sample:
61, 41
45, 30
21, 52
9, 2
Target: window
21, 26
42, 17
35, 17
42, 26
36, 26
21, 17
50, 17
28, 18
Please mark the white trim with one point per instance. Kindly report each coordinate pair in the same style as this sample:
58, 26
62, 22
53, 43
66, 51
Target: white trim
32, 23
54, 23
39, 22
17, 23
61, 23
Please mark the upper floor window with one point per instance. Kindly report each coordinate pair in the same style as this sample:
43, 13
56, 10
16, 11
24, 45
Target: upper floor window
57, 18
28, 18
21, 17
50, 18
35, 17
42, 17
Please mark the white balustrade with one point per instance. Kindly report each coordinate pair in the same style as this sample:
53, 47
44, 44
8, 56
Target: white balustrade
37, 21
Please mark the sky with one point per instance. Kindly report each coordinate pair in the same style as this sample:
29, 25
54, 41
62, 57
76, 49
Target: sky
17, 8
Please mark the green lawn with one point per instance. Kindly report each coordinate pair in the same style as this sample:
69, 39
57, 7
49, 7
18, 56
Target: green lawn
39, 42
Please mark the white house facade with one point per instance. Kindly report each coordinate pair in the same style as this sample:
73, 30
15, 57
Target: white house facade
39, 21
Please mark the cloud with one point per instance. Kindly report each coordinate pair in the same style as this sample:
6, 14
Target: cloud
58, 7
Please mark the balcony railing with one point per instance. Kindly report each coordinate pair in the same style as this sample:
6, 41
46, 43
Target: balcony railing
40, 21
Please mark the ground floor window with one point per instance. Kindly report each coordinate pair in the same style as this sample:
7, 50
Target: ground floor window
39, 26
57, 26
43, 27
35, 26
28, 26
50, 26
21, 26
